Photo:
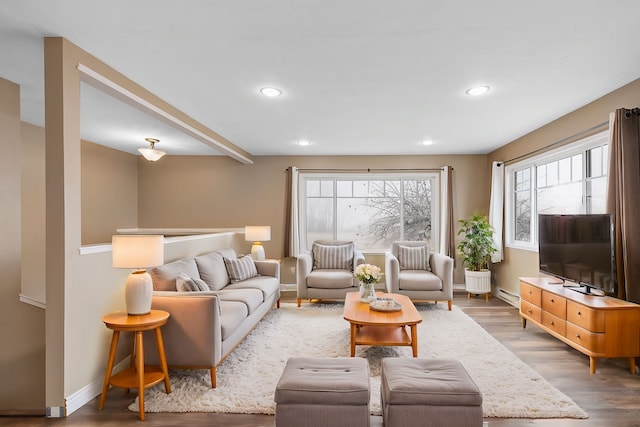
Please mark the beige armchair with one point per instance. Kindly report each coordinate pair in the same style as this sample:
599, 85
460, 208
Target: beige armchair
326, 272
411, 270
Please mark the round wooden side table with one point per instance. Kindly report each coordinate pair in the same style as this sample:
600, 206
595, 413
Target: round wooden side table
138, 375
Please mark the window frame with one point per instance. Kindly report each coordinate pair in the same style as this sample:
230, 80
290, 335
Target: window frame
580, 146
434, 177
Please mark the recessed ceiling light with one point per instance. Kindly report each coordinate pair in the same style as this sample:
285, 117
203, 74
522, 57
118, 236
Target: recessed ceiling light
478, 90
270, 91
303, 142
427, 142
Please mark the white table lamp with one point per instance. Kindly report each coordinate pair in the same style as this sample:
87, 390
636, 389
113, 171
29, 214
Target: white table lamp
257, 234
139, 252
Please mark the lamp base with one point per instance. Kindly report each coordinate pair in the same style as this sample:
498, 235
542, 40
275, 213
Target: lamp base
257, 252
137, 293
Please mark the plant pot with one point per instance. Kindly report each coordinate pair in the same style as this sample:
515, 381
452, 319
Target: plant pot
477, 282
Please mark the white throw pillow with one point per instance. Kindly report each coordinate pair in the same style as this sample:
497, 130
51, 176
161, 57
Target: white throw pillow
185, 283
333, 256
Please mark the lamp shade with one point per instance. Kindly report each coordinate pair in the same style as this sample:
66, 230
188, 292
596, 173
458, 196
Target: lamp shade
257, 233
139, 252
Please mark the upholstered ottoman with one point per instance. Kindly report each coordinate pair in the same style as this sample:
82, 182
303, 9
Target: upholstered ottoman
323, 392
429, 393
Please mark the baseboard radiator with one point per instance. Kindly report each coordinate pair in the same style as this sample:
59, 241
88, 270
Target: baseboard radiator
509, 297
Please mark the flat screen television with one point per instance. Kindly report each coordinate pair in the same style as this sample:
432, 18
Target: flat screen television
579, 249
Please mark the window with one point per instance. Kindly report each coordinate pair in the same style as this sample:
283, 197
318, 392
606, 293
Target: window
372, 210
568, 180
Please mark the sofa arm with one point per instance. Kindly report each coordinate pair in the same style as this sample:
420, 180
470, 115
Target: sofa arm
358, 258
391, 272
268, 268
193, 334
442, 266
304, 265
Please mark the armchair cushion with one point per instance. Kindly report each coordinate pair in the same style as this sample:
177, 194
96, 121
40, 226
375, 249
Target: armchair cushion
418, 280
330, 279
414, 257
242, 268
337, 256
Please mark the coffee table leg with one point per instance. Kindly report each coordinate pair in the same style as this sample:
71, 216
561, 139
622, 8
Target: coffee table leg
414, 339
353, 339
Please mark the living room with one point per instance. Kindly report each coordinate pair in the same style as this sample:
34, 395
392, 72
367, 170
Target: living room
121, 190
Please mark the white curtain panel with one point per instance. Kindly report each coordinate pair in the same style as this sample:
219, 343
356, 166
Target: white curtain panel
294, 235
496, 208
445, 218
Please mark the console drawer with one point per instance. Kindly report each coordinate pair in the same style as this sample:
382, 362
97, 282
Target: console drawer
530, 293
554, 323
593, 341
554, 304
585, 317
530, 310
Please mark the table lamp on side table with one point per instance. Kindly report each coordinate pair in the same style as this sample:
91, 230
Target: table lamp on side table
139, 252
257, 234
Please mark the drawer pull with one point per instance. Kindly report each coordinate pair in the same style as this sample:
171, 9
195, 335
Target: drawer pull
529, 311
579, 313
552, 324
552, 300
530, 292
578, 336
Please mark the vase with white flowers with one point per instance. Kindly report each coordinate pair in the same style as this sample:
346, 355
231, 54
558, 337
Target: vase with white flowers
368, 275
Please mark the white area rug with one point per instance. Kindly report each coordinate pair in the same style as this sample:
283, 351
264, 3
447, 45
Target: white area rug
248, 376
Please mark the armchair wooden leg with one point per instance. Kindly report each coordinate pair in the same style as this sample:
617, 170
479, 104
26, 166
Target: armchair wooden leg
278, 303
299, 301
450, 303
213, 377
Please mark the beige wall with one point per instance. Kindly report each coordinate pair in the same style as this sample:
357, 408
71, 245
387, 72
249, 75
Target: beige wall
109, 192
22, 357
517, 262
186, 191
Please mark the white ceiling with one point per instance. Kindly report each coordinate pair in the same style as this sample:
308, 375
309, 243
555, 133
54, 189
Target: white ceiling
359, 76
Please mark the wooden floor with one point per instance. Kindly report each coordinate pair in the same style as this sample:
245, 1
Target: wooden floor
611, 397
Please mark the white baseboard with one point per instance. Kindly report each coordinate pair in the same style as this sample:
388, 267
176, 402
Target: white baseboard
83, 396
508, 297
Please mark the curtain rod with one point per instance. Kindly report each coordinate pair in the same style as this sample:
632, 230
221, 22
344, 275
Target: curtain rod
372, 170
562, 141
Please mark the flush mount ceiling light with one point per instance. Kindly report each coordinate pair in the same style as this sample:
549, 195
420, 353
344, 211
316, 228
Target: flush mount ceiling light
151, 153
477, 90
303, 142
427, 142
270, 91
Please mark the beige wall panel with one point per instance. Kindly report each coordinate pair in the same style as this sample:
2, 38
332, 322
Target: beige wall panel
215, 191
109, 192
22, 359
33, 213
519, 262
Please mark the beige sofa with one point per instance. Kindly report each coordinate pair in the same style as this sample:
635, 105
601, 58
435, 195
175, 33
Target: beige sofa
205, 326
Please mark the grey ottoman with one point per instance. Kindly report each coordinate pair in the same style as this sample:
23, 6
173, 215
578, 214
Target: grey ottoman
429, 393
323, 392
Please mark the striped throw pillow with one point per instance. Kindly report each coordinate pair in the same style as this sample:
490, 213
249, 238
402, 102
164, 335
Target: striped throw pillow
185, 283
333, 256
414, 258
242, 268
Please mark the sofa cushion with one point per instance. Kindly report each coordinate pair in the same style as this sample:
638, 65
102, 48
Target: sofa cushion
329, 279
241, 268
185, 283
252, 298
333, 256
413, 257
232, 314
164, 276
268, 285
418, 280
212, 270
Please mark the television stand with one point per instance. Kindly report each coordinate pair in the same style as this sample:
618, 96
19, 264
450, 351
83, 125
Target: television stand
590, 325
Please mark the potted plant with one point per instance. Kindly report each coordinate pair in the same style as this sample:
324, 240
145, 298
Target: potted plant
476, 248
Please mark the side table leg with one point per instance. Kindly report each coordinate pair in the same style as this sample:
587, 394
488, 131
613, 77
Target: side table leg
140, 374
163, 360
107, 374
